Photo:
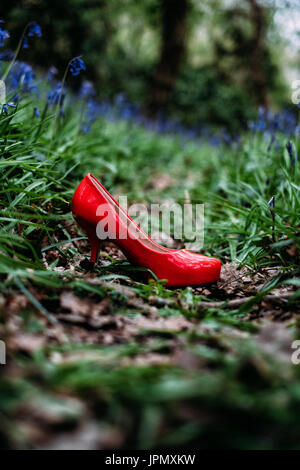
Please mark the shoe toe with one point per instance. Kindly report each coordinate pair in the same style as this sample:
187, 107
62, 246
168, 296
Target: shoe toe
206, 268
215, 268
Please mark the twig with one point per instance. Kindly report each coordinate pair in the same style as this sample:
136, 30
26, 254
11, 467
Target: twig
160, 302
243, 300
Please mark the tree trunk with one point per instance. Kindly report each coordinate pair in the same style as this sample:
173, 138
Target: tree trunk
259, 82
174, 16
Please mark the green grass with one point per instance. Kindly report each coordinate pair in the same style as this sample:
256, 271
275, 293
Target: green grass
226, 391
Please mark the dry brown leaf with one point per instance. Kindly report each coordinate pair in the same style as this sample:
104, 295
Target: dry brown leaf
26, 342
74, 304
89, 436
162, 181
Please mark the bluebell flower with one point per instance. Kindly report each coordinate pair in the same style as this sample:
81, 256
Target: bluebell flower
289, 147
215, 141
6, 105
6, 56
34, 30
92, 110
271, 202
261, 125
51, 73
76, 66
120, 100
87, 90
272, 140
262, 117
277, 146
57, 94
85, 128
268, 122
226, 138
22, 76
106, 110
36, 112
3, 35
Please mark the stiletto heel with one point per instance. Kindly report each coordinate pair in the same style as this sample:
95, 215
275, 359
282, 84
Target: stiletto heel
93, 206
90, 231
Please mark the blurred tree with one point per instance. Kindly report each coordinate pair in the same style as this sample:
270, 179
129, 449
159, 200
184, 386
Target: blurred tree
103, 31
244, 46
203, 96
207, 62
257, 45
173, 46
66, 26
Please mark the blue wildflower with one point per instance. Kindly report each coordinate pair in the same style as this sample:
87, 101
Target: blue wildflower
3, 35
226, 138
87, 90
289, 147
57, 95
85, 128
120, 100
262, 117
271, 202
34, 30
269, 122
6, 56
51, 73
22, 76
277, 147
6, 105
76, 66
92, 110
272, 140
215, 141
261, 125
36, 112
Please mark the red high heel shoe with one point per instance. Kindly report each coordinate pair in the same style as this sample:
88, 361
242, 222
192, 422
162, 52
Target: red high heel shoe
95, 209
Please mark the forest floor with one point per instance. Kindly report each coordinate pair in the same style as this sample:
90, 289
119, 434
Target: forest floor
99, 359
